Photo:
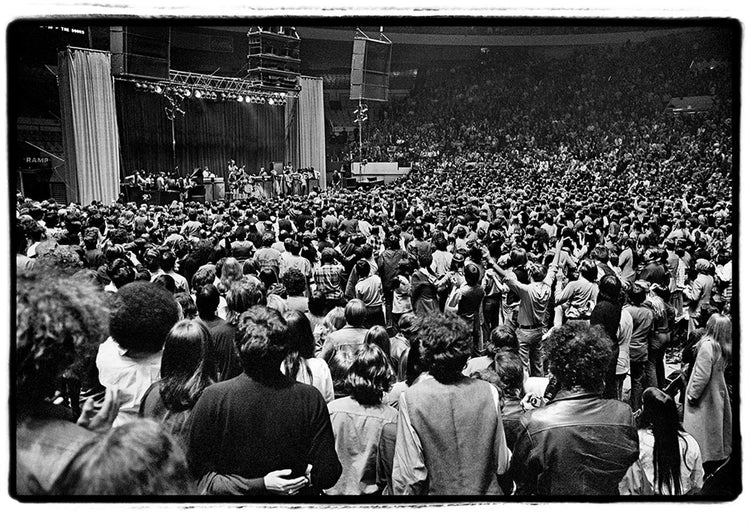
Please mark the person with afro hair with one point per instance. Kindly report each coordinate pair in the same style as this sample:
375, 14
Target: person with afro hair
129, 360
579, 443
59, 324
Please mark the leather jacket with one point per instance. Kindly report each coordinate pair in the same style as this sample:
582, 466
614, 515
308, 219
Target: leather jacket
579, 444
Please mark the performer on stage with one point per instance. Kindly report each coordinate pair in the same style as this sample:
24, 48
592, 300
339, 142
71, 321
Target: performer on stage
287, 182
277, 184
296, 183
233, 174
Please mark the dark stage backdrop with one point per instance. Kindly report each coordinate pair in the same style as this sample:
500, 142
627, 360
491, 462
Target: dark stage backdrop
210, 133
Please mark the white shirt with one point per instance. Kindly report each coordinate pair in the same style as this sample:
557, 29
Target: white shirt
130, 376
321, 377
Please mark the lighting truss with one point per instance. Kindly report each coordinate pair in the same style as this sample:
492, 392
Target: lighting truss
214, 88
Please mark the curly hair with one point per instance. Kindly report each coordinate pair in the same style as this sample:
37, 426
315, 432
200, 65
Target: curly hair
578, 355
445, 341
262, 339
59, 323
294, 281
370, 375
137, 458
59, 257
142, 315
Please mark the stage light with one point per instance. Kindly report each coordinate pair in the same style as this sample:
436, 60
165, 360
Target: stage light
158, 89
198, 94
187, 92
247, 98
270, 101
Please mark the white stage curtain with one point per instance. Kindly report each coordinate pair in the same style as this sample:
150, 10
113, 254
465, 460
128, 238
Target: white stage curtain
92, 146
306, 143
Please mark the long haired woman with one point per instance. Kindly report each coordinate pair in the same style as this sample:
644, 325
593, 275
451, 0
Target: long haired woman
670, 459
187, 368
708, 412
300, 363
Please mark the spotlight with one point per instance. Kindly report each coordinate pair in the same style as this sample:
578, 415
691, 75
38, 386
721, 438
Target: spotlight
198, 94
187, 92
158, 89
270, 101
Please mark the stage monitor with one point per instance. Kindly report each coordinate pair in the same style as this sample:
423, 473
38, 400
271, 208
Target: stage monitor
371, 67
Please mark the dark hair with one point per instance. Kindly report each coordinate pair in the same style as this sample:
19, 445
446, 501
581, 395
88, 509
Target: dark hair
370, 375
339, 361
166, 282
142, 315
267, 239
424, 260
600, 253
242, 295
517, 257
189, 310
268, 277
301, 344
59, 322
536, 272
167, 260
137, 458
378, 335
637, 295
660, 415
121, 273
355, 312
578, 355
362, 267
262, 339
207, 301
471, 273
589, 270
610, 288
187, 365
294, 281
445, 341
441, 244
316, 304
509, 368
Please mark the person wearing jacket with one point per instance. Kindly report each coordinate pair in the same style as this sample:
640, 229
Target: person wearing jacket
450, 438
579, 443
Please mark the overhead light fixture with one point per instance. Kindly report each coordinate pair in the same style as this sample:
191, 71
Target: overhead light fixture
187, 92
270, 101
158, 89
198, 94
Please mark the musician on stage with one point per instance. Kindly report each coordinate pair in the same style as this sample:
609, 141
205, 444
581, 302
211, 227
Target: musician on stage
277, 184
287, 182
233, 175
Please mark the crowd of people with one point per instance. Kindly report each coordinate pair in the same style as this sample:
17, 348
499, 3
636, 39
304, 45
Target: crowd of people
548, 315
